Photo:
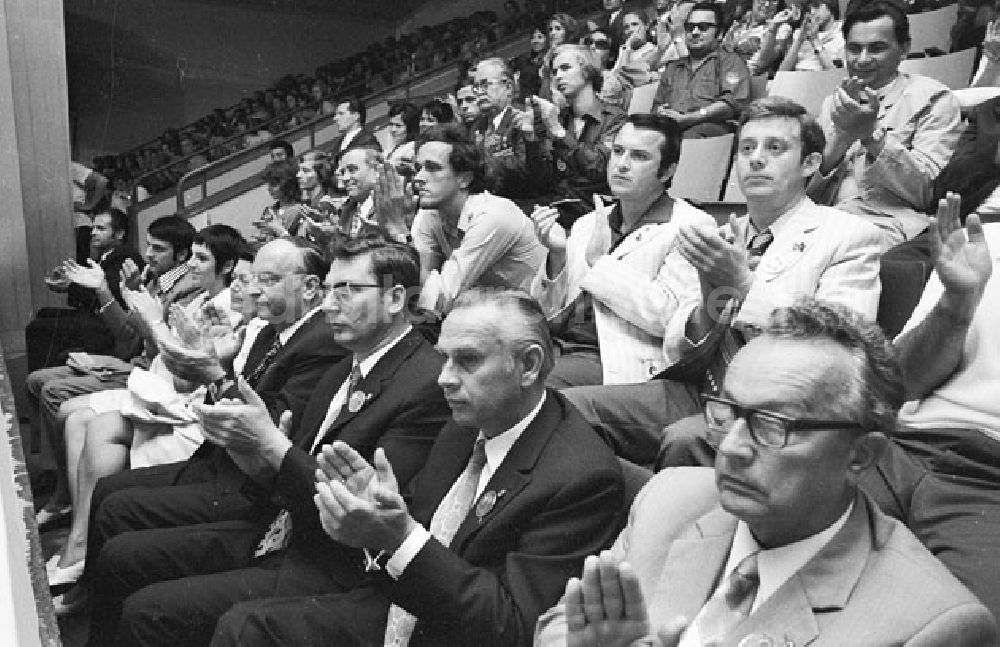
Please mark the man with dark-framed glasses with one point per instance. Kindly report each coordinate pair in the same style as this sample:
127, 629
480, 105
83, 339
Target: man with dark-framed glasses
777, 545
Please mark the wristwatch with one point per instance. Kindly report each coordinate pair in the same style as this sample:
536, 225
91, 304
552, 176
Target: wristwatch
875, 138
703, 112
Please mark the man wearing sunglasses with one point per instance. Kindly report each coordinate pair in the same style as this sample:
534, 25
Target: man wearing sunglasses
777, 545
709, 86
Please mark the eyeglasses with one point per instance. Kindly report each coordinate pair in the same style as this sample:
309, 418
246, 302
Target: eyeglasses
243, 279
597, 43
767, 428
701, 26
342, 291
484, 84
269, 279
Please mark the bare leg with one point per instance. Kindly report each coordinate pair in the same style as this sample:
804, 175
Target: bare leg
78, 416
105, 452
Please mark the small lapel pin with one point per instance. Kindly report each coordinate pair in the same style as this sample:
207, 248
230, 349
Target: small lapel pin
486, 503
358, 399
798, 247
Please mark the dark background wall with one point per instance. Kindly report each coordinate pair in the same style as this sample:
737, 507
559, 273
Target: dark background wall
136, 67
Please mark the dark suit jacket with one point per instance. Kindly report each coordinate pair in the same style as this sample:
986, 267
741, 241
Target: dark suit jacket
403, 413
364, 139
559, 491
873, 584
286, 385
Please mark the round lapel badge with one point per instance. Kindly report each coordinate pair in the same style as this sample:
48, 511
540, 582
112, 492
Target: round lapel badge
357, 401
486, 503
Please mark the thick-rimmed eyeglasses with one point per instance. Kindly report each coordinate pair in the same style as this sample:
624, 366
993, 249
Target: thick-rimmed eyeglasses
485, 84
767, 428
701, 26
269, 279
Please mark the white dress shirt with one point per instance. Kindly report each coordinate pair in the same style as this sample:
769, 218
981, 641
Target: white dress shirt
339, 398
497, 449
775, 566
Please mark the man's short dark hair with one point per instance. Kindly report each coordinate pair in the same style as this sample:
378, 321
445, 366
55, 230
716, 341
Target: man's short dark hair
392, 263
225, 243
869, 10
284, 174
466, 156
174, 230
357, 106
715, 8
283, 145
832, 5
877, 393
670, 151
810, 132
119, 220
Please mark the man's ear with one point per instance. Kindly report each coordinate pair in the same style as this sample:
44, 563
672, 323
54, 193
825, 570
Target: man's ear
811, 164
397, 299
531, 365
465, 180
312, 287
865, 452
227, 268
668, 173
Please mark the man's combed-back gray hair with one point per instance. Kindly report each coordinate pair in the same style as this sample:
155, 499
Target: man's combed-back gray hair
525, 326
878, 388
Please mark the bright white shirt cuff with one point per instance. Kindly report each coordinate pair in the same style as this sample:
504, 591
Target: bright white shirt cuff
407, 551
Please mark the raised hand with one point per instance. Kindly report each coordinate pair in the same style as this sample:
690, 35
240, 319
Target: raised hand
854, 108
395, 206
600, 238
961, 258
131, 276
606, 608
89, 276
194, 365
991, 42
374, 517
143, 304
550, 232
721, 263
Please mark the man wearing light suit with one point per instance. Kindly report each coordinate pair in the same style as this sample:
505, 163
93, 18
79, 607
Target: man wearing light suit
786, 247
171, 585
777, 545
612, 282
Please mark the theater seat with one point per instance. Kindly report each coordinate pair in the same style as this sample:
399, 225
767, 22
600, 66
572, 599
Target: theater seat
702, 168
808, 88
954, 70
902, 284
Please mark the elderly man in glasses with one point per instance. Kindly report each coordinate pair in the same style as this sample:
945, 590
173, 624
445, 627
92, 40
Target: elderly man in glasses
777, 545
707, 88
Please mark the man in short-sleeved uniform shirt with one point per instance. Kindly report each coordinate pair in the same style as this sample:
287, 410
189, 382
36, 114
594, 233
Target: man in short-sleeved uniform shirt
708, 87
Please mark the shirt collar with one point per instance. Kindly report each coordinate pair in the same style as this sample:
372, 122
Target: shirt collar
499, 446
366, 208
499, 118
781, 222
287, 333
777, 565
166, 281
368, 363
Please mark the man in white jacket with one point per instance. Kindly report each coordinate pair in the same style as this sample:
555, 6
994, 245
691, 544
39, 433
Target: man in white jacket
611, 283
785, 248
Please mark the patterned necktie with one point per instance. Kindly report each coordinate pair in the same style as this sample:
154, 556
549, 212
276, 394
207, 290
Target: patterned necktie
279, 533
757, 246
265, 362
447, 518
731, 603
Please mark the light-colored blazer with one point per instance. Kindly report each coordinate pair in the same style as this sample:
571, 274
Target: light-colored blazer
817, 251
873, 585
635, 289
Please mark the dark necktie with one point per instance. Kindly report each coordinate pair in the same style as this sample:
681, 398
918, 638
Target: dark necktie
758, 245
265, 362
447, 519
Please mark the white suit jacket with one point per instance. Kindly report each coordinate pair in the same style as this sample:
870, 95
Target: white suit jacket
634, 289
817, 251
